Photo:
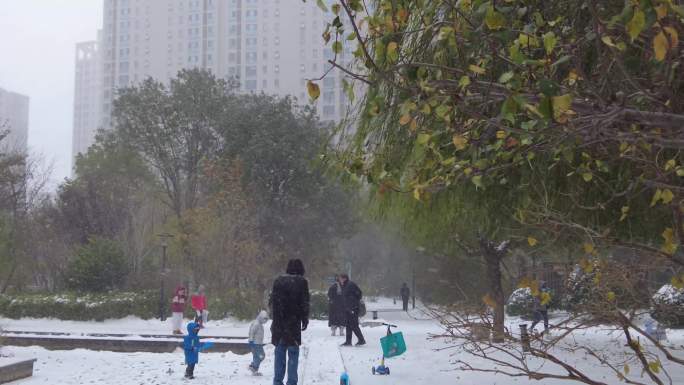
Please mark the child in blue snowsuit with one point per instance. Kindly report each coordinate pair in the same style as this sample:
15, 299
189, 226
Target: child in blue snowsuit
191, 347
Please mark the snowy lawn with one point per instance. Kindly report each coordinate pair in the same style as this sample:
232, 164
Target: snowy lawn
321, 361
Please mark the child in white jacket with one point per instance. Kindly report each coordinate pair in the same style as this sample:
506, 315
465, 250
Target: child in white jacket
256, 341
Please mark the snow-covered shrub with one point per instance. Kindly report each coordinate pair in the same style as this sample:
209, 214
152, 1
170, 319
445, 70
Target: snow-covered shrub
579, 286
668, 306
69, 306
319, 305
520, 303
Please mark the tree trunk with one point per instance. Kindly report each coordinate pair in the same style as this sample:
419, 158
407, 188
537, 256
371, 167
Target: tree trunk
493, 256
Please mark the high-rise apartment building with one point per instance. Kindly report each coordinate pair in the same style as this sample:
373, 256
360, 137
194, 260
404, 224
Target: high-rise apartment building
270, 46
87, 92
14, 118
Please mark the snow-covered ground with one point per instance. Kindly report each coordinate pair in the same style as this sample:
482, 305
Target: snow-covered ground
427, 361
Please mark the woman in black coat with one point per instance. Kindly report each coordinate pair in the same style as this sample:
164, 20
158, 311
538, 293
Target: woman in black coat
336, 313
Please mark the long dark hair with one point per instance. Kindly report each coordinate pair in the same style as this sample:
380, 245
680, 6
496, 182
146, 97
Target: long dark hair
295, 267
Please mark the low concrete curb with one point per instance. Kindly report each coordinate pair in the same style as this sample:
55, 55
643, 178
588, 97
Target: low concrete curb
16, 371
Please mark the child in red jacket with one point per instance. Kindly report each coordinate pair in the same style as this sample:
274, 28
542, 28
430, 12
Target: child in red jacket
199, 304
177, 309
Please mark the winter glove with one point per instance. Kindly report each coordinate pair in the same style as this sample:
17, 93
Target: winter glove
305, 324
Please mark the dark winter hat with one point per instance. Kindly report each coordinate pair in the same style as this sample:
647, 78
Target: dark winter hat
295, 267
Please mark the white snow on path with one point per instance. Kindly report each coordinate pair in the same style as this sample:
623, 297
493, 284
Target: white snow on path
425, 362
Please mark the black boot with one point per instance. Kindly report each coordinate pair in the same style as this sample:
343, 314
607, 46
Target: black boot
189, 372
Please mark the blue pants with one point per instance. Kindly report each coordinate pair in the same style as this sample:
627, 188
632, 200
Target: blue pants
292, 361
258, 355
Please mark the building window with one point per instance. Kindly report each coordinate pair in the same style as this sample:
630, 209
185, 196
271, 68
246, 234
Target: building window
250, 85
328, 111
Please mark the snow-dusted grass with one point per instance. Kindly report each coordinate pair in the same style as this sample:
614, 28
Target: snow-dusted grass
427, 361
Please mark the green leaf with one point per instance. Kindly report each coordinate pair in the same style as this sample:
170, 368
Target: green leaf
636, 25
337, 47
352, 36
348, 90
587, 176
494, 19
506, 77
336, 9
464, 81
550, 41
321, 5
423, 138
392, 52
477, 181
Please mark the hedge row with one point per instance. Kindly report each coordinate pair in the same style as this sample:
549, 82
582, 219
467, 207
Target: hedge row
113, 305
81, 307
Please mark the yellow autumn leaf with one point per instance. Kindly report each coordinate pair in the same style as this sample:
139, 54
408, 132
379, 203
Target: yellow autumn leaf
545, 298
654, 366
660, 46
610, 296
460, 142
588, 248
313, 89
405, 119
670, 164
416, 194
489, 301
669, 245
532, 241
657, 196
667, 196
501, 134
476, 69
561, 105
625, 211
661, 11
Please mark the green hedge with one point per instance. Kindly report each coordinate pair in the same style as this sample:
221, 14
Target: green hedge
85, 307
145, 305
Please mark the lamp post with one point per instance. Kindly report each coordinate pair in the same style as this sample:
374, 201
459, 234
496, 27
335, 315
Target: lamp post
162, 296
420, 250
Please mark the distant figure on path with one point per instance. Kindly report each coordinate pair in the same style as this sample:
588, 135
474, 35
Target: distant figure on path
177, 309
541, 306
336, 314
256, 341
405, 294
199, 304
352, 305
290, 311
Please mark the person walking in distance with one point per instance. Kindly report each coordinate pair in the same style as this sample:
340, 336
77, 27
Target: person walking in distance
290, 312
336, 314
405, 294
352, 305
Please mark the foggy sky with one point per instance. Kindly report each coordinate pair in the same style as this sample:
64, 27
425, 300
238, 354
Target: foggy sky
37, 48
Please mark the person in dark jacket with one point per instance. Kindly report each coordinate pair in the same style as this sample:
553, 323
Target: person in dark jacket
290, 313
336, 314
352, 305
405, 294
